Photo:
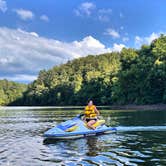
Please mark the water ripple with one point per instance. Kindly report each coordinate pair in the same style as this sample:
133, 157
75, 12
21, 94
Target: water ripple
21, 141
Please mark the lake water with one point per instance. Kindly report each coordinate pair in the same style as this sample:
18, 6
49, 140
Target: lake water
140, 139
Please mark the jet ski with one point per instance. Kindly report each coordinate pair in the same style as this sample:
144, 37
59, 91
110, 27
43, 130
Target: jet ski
77, 128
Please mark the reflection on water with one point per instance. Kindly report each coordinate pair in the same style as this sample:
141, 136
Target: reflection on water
93, 146
140, 139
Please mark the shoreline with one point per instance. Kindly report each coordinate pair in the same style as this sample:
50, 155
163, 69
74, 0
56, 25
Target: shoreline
111, 107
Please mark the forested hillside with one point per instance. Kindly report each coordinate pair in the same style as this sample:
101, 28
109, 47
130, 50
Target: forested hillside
129, 77
10, 91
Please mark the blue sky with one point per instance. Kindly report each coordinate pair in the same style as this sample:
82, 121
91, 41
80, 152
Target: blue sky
36, 35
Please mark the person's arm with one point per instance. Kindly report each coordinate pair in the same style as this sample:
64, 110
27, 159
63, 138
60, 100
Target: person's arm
97, 112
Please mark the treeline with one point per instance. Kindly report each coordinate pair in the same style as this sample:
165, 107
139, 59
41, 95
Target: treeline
10, 91
129, 77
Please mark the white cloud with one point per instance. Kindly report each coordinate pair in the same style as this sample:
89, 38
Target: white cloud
44, 18
34, 34
138, 40
105, 11
24, 14
125, 39
117, 47
26, 53
85, 9
24, 32
89, 9
112, 33
20, 78
104, 14
23, 54
103, 18
88, 45
152, 37
3, 6
146, 40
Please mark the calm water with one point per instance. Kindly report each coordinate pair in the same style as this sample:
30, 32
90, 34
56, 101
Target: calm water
140, 140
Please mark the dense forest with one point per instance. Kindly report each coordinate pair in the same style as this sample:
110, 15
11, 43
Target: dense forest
10, 91
133, 76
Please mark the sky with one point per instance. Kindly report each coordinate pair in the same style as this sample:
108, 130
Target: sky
37, 35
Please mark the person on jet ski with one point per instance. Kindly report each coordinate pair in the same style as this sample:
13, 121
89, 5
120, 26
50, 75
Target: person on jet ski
91, 113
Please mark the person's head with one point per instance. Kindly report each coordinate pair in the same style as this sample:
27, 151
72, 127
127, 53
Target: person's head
90, 103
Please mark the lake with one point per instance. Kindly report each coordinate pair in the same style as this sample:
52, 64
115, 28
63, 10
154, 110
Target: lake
140, 139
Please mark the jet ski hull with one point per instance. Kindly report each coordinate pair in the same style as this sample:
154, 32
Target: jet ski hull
63, 131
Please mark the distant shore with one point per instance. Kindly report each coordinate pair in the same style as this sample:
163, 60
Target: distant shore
111, 107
